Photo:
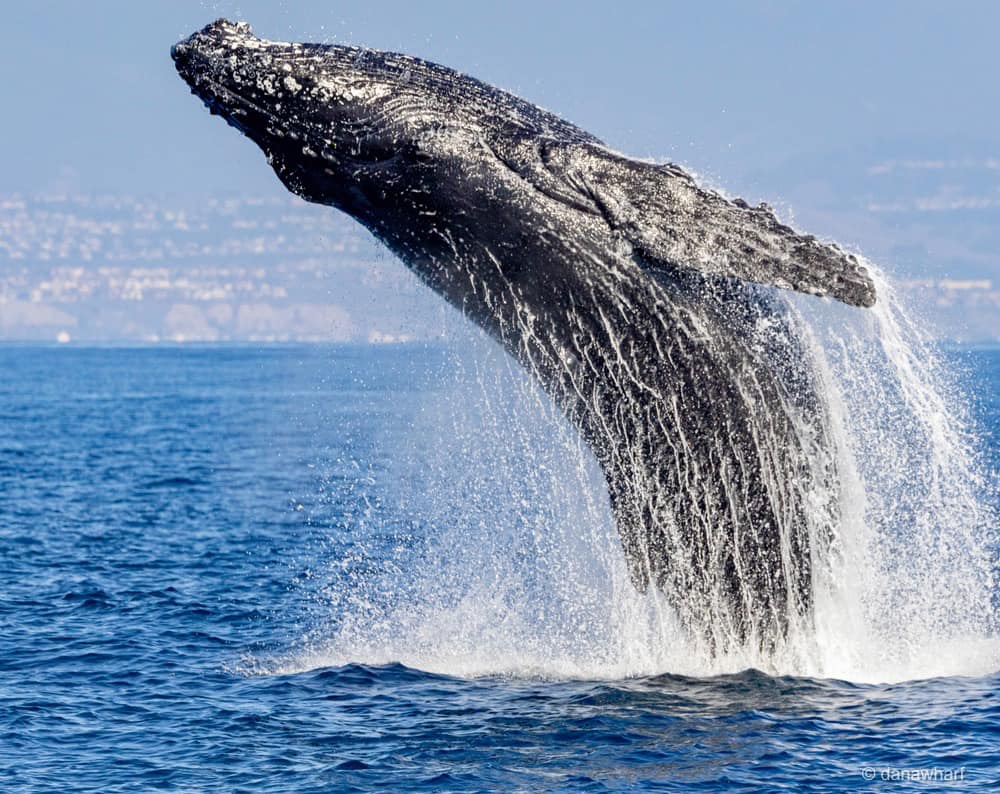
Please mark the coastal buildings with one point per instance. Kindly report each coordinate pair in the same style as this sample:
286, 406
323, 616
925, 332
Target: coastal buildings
93, 268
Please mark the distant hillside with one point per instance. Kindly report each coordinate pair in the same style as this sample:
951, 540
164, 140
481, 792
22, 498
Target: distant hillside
115, 268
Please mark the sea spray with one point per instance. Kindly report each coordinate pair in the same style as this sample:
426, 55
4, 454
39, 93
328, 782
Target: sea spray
518, 569
911, 592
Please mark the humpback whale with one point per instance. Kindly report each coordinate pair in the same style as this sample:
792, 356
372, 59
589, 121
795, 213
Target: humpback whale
647, 306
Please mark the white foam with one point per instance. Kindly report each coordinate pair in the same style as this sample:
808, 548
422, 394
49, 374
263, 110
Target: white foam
523, 573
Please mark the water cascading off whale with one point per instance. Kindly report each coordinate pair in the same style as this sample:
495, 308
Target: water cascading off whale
640, 301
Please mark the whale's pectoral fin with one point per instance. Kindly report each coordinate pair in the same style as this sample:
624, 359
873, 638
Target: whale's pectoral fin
672, 222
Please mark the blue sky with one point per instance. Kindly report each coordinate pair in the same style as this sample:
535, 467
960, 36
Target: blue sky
91, 101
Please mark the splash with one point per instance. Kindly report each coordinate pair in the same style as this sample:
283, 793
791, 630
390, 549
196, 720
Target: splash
519, 568
910, 587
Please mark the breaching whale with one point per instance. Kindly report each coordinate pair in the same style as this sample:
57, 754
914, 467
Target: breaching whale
643, 303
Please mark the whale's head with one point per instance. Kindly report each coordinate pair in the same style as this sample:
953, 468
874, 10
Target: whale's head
338, 124
422, 154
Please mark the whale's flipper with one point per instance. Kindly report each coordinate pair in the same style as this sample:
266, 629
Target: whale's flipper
672, 222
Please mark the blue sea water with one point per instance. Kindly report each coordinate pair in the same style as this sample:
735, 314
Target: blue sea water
180, 528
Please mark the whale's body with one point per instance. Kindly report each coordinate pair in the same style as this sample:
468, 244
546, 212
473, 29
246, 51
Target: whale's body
630, 293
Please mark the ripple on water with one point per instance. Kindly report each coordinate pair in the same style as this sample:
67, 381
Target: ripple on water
176, 548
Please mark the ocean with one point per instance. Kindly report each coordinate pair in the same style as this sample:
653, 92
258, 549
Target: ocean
358, 568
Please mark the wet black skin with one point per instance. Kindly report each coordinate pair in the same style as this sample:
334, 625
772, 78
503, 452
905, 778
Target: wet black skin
622, 286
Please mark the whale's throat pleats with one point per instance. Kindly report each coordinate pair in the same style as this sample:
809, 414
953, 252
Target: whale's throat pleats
701, 408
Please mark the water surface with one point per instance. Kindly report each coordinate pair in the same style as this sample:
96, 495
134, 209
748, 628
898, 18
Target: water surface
196, 540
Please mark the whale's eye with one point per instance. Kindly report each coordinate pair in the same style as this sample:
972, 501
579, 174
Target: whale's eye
419, 154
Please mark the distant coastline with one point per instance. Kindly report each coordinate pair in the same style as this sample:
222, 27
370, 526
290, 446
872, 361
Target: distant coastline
104, 269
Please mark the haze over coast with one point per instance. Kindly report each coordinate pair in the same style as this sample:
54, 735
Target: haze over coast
81, 267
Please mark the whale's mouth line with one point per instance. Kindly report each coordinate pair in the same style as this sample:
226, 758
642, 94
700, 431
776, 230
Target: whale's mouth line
236, 109
222, 100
